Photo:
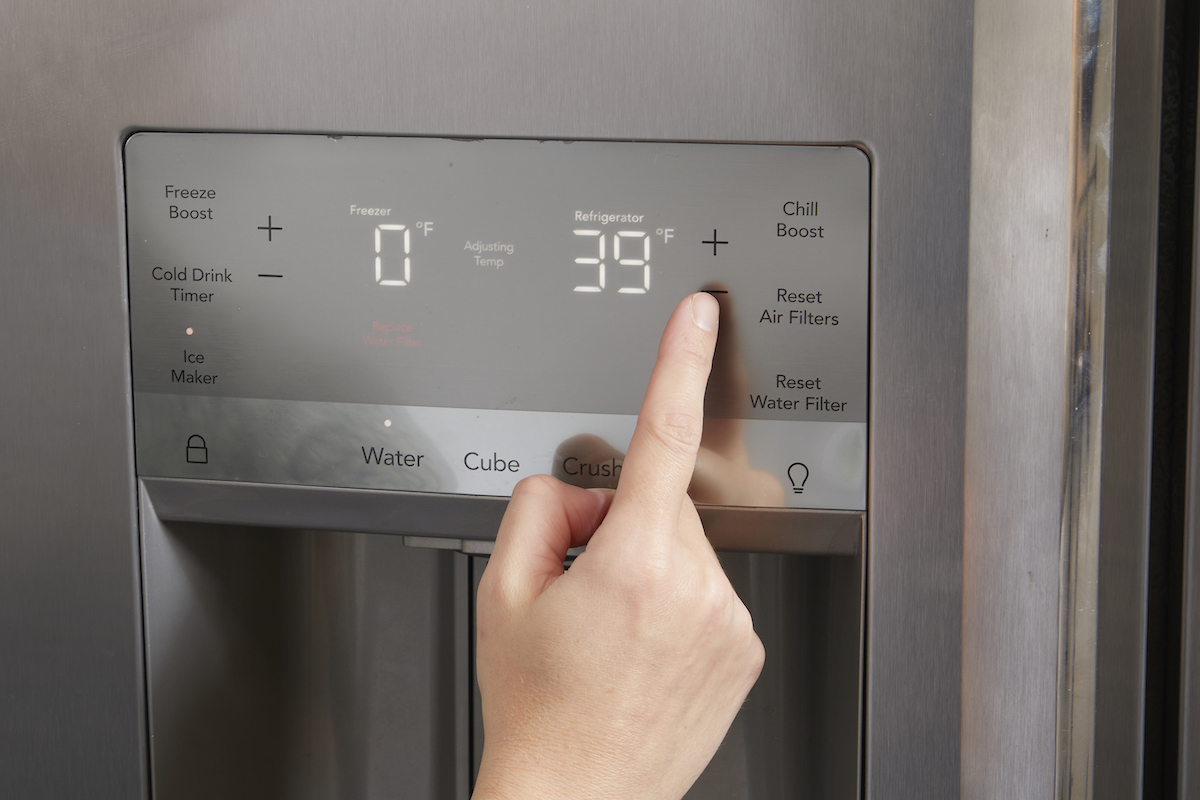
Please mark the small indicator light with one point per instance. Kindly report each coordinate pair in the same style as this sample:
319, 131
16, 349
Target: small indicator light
190, 331
387, 423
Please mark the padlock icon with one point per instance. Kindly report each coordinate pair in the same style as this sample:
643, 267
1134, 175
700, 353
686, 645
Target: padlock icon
197, 450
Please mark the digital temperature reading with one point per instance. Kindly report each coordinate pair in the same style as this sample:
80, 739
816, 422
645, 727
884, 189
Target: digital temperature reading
438, 315
639, 240
635, 241
380, 230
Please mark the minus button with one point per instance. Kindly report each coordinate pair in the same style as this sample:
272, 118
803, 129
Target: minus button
264, 275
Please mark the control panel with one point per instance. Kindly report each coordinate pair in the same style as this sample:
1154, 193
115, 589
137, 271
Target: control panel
450, 316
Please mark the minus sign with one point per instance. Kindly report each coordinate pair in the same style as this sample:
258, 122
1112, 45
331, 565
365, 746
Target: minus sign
715, 291
261, 275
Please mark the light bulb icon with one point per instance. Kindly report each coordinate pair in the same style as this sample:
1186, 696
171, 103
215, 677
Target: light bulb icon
798, 477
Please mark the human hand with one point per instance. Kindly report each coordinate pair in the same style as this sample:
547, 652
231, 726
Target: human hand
619, 677
723, 474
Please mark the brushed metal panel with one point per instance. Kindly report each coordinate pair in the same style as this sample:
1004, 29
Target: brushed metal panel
896, 78
1016, 385
1079, 560
71, 680
1128, 402
303, 664
364, 510
1064, 197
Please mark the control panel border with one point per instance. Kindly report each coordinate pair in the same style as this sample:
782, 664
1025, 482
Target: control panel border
473, 517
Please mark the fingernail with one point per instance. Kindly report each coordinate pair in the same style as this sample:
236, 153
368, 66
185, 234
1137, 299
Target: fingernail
705, 311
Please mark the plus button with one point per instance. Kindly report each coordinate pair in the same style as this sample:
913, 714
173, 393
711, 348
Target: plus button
269, 228
714, 241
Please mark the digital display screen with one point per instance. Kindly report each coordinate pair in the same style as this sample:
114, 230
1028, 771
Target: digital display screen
448, 315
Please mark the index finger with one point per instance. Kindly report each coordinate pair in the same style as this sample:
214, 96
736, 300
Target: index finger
662, 455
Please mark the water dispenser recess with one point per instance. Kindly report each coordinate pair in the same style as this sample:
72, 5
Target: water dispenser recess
448, 316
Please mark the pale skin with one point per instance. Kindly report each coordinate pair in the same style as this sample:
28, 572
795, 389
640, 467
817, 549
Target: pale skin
619, 677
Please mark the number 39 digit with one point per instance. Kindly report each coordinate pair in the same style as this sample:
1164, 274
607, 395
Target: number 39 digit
631, 251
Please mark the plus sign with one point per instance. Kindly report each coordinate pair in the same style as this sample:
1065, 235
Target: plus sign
269, 228
714, 242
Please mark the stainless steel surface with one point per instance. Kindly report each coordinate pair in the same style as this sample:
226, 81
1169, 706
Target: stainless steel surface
290, 663
365, 510
1016, 384
1064, 192
304, 664
797, 731
1124, 489
1083, 448
895, 78
428, 514
770, 530
1189, 650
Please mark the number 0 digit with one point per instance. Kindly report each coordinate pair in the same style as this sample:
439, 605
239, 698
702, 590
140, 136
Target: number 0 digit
379, 231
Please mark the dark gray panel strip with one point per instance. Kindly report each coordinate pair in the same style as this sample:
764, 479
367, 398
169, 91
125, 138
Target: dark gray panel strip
1189, 667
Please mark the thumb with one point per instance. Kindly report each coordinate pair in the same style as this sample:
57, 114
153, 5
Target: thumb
544, 519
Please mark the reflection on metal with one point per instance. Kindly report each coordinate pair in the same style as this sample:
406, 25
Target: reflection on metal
1091, 143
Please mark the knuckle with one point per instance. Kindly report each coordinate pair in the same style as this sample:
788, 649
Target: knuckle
496, 596
647, 580
760, 653
752, 645
694, 355
757, 657
712, 601
489, 594
535, 485
678, 430
719, 596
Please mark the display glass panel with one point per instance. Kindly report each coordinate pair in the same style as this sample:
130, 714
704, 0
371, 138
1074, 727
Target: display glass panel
443, 315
